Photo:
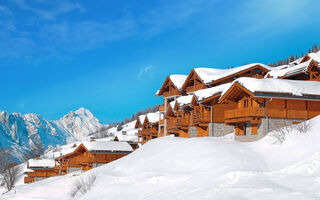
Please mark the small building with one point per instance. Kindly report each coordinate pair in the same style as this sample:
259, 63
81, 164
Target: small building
91, 154
38, 169
126, 138
264, 105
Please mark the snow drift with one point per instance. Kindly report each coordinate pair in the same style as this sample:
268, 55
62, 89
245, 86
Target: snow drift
201, 168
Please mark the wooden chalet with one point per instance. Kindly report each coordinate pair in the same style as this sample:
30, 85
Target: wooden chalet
267, 104
149, 128
307, 69
202, 115
91, 154
201, 78
38, 169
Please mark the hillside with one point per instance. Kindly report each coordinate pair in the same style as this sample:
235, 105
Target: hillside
201, 168
24, 132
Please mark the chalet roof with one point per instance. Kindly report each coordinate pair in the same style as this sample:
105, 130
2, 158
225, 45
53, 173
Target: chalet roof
182, 100
178, 80
283, 87
153, 117
66, 149
43, 163
126, 138
107, 146
314, 56
288, 70
208, 92
208, 75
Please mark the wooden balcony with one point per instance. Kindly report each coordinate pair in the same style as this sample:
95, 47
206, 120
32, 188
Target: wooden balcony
28, 180
172, 125
183, 122
161, 108
201, 118
170, 93
253, 115
194, 88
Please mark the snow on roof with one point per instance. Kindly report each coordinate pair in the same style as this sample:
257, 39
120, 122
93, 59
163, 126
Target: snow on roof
315, 56
66, 149
208, 92
183, 100
272, 85
178, 80
128, 138
107, 146
141, 118
211, 74
289, 70
43, 163
153, 117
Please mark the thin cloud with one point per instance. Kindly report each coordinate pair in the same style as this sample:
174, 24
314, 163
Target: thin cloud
146, 71
52, 35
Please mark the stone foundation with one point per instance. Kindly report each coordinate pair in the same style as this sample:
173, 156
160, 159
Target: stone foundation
193, 131
265, 127
219, 129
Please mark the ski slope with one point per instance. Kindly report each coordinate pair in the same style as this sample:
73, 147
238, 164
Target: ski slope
200, 168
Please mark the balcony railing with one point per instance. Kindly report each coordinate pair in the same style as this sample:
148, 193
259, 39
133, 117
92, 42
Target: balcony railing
171, 124
201, 118
149, 132
170, 93
194, 88
183, 122
244, 112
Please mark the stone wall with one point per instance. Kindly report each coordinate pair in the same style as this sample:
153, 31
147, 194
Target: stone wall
193, 131
219, 129
265, 127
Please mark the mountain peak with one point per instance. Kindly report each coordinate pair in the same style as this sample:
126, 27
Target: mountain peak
79, 123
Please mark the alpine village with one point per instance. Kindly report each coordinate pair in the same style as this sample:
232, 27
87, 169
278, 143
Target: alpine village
249, 101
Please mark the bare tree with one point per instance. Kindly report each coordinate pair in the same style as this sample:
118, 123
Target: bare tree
284, 128
303, 127
8, 169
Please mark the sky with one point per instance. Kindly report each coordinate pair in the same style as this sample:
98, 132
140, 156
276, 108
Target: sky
112, 56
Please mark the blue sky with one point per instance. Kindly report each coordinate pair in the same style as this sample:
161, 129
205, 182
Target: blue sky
112, 56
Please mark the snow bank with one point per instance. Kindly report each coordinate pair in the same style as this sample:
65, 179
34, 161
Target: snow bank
202, 168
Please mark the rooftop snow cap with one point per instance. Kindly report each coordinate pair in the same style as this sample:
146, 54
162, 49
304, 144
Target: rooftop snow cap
209, 75
178, 80
108, 146
278, 86
43, 163
288, 70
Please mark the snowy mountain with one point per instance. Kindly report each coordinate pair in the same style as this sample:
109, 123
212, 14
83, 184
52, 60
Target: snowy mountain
23, 132
79, 123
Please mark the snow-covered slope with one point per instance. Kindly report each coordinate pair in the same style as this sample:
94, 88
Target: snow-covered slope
79, 123
22, 132
201, 168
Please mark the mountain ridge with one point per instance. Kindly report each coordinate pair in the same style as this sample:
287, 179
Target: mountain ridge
22, 132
